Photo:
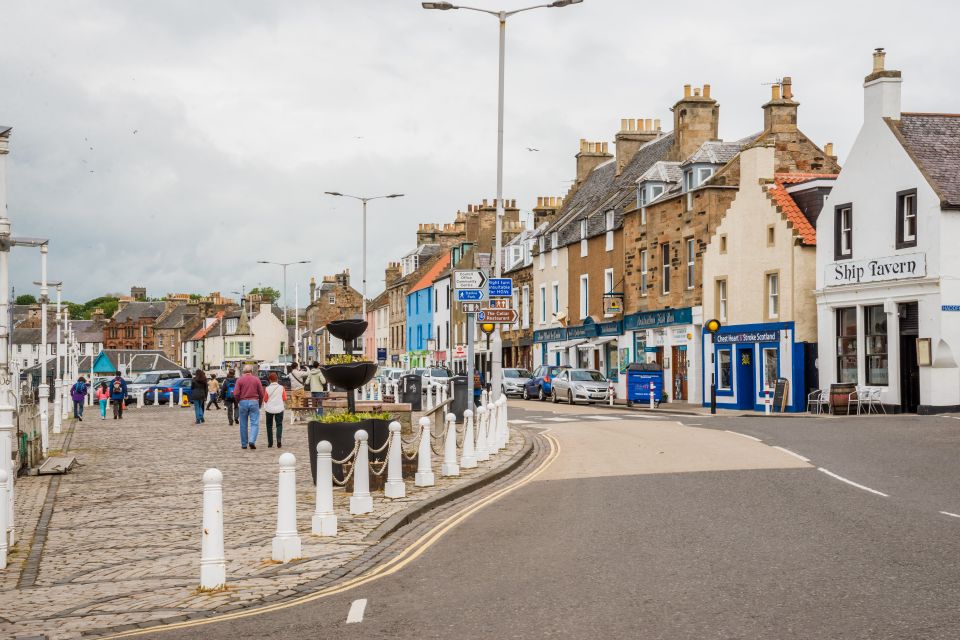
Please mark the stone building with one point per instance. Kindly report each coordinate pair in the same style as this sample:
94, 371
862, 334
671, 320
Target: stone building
680, 202
132, 326
333, 299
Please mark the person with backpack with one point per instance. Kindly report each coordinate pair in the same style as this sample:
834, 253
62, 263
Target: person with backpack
198, 394
227, 395
78, 393
276, 396
213, 388
103, 397
118, 395
316, 381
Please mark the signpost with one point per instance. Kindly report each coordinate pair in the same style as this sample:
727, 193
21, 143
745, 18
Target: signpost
473, 279
498, 316
501, 287
470, 295
470, 307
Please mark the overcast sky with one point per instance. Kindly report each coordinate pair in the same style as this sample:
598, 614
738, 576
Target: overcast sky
173, 143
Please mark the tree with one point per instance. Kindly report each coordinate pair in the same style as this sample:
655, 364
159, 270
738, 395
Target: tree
266, 293
26, 298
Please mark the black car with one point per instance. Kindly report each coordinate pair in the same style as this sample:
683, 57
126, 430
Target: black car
282, 378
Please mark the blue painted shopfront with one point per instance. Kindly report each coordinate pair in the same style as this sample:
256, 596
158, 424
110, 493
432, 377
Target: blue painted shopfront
746, 361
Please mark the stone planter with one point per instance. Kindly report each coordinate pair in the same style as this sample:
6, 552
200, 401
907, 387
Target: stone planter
341, 437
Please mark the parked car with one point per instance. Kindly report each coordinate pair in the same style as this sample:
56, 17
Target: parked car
282, 378
540, 384
514, 381
151, 379
160, 394
573, 385
435, 376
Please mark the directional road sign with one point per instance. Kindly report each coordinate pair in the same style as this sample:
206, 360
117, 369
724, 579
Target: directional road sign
470, 295
470, 307
472, 279
501, 287
501, 316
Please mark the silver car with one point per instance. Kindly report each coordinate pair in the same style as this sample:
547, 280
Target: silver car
513, 381
576, 385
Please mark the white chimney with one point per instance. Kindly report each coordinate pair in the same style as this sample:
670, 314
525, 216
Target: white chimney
881, 91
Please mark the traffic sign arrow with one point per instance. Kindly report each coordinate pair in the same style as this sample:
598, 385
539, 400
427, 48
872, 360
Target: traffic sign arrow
470, 307
472, 279
470, 295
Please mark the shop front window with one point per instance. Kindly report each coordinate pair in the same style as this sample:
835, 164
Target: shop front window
876, 334
725, 372
847, 344
770, 372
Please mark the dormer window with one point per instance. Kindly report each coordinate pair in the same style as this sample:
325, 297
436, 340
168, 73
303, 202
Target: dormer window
554, 241
688, 187
609, 225
703, 175
583, 238
542, 248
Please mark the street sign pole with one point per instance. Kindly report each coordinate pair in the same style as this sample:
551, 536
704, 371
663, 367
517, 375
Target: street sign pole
470, 318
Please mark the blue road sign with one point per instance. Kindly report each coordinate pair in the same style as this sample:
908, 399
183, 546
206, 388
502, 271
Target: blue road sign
500, 287
469, 295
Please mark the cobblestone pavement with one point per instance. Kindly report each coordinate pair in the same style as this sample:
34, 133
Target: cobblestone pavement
123, 543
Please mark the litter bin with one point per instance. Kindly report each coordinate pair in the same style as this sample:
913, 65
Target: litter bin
639, 377
459, 402
411, 386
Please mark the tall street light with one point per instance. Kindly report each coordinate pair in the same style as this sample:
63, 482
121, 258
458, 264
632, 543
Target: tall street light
364, 200
498, 250
284, 266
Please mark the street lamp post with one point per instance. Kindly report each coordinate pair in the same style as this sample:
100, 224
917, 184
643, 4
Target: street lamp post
284, 266
497, 349
6, 384
364, 200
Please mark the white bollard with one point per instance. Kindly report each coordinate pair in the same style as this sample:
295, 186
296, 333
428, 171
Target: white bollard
4, 497
324, 522
610, 392
493, 415
57, 406
450, 466
378, 392
652, 389
424, 476
140, 398
361, 501
482, 454
429, 390
395, 488
286, 543
170, 401
767, 403
502, 427
213, 564
468, 456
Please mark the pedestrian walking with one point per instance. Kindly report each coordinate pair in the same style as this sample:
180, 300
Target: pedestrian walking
78, 393
248, 393
118, 395
227, 394
198, 394
103, 397
276, 396
477, 387
316, 381
298, 378
213, 388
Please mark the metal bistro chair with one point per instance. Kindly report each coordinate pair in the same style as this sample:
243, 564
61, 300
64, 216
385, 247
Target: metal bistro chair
818, 399
874, 403
857, 397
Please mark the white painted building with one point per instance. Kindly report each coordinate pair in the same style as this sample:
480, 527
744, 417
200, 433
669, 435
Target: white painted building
441, 319
888, 272
551, 308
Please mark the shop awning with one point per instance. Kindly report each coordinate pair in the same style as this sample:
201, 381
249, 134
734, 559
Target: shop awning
596, 342
563, 346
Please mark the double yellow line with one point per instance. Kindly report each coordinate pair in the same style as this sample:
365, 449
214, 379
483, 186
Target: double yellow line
408, 555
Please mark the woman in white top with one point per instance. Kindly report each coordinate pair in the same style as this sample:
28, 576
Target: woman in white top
274, 398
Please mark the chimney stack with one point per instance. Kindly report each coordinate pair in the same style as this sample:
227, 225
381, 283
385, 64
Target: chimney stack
633, 134
881, 90
780, 114
696, 119
546, 209
828, 150
591, 155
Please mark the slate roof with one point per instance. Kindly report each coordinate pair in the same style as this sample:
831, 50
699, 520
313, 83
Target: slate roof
176, 317
662, 171
802, 226
381, 300
88, 330
4, 130
137, 310
716, 152
604, 190
933, 141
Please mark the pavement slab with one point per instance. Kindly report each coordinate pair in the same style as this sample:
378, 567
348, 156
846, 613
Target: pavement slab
122, 547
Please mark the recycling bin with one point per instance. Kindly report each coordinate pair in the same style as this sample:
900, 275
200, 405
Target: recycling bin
459, 402
640, 375
411, 386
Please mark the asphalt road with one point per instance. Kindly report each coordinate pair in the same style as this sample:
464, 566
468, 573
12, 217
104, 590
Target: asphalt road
646, 528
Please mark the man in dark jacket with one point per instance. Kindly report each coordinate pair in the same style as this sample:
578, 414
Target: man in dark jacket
228, 397
118, 395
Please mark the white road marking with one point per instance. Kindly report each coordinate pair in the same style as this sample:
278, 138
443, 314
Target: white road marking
356, 611
693, 424
791, 453
952, 515
743, 435
520, 421
603, 417
561, 419
852, 483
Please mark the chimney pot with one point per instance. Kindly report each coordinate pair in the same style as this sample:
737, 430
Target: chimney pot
787, 87
828, 149
648, 125
696, 92
624, 126
706, 91
878, 59
583, 145
775, 92
656, 124
686, 91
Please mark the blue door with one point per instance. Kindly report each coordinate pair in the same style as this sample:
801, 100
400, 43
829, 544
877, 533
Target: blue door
745, 387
